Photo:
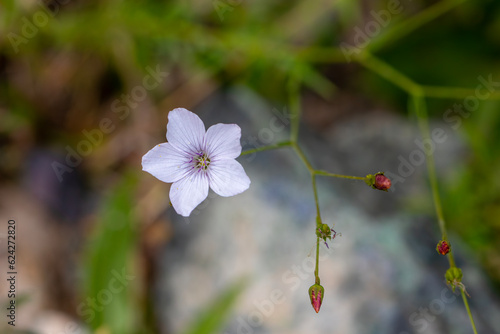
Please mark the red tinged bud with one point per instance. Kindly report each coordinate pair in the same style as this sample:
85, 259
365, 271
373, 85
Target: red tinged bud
316, 293
378, 181
443, 247
382, 182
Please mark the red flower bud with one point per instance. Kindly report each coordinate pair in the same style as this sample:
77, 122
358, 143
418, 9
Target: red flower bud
382, 182
378, 181
316, 293
443, 247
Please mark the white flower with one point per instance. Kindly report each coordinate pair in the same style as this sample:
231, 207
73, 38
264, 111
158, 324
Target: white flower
194, 160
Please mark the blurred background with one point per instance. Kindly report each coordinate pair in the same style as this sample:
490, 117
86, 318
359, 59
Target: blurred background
85, 89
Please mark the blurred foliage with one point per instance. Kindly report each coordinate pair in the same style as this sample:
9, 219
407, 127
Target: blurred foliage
62, 78
211, 320
110, 275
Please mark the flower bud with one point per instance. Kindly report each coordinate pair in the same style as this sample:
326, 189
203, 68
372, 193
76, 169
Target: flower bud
316, 293
443, 247
378, 181
453, 277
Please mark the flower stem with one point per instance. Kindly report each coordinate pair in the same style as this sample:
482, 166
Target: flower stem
321, 172
420, 108
388, 72
294, 101
421, 112
268, 147
315, 190
302, 157
316, 270
454, 92
466, 303
318, 225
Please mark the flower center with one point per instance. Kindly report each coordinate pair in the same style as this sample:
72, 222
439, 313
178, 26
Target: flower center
201, 161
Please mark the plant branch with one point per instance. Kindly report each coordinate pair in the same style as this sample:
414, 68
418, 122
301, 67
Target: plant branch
466, 303
268, 147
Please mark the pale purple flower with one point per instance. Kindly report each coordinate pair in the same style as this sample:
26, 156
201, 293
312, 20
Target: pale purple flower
194, 160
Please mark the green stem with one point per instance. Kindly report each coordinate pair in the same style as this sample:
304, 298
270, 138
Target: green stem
454, 93
318, 225
316, 270
303, 158
321, 172
421, 112
316, 200
466, 303
451, 260
388, 72
294, 101
268, 147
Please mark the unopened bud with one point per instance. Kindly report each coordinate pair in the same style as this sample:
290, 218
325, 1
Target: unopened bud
443, 247
316, 293
453, 277
378, 181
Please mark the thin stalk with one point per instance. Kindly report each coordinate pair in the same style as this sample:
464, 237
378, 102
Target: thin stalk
421, 112
388, 72
455, 93
321, 172
304, 160
316, 270
294, 101
466, 303
318, 222
316, 200
268, 147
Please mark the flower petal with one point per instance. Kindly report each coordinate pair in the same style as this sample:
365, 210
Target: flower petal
227, 177
185, 130
188, 192
166, 163
222, 141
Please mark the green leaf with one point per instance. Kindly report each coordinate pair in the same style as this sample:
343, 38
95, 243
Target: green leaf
109, 280
216, 313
